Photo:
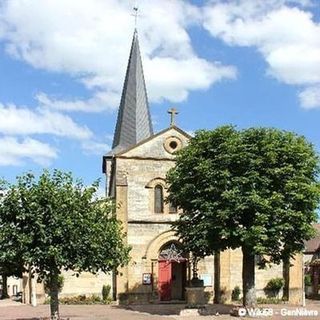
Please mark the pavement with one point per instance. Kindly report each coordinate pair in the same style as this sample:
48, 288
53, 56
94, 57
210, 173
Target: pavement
10, 310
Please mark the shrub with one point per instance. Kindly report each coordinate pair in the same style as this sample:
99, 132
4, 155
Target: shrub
273, 287
261, 300
106, 292
307, 280
235, 295
83, 299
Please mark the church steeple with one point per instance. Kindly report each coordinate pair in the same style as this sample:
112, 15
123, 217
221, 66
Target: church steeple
134, 121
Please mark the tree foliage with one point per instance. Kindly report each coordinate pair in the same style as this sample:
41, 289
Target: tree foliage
256, 189
55, 223
11, 263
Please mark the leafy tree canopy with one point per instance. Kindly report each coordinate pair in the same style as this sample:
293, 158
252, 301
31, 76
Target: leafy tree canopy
256, 188
54, 223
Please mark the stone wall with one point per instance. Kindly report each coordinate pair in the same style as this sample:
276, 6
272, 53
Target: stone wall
14, 285
86, 284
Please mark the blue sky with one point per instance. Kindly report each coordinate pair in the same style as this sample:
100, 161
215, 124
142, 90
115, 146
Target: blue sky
62, 65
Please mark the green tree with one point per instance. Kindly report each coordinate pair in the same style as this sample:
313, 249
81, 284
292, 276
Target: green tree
256, 189
55, 223
11, 263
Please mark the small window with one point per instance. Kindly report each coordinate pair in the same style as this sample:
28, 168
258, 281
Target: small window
158, 199
173, 144
14, 289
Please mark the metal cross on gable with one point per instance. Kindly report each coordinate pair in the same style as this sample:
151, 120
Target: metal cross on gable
173, 112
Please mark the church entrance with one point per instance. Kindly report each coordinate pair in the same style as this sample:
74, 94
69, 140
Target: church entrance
172, 273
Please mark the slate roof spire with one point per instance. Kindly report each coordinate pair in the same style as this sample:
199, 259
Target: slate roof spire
134, 120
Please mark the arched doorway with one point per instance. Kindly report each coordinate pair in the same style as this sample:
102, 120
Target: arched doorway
172, 272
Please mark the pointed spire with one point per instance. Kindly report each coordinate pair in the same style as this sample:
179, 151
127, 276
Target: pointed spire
134, 121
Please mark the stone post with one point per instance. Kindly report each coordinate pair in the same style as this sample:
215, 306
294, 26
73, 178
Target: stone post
195, 293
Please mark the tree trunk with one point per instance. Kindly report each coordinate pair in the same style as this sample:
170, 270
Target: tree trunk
195, 267
248, 278
286, 277
54, 301
217, 267
4, 286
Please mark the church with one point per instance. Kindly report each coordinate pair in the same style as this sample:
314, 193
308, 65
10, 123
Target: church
135, 170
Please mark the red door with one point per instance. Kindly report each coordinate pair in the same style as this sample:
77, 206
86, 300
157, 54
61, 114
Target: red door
164, 280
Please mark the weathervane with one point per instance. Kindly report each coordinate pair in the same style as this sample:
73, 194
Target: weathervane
172, 113
135, 13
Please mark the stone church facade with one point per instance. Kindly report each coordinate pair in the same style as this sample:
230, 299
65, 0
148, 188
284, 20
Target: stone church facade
135, 172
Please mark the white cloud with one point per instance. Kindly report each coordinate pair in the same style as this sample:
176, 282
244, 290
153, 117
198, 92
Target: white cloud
99, 102
15, 152
24, 121
95, 147
285, 34
310, 97
167, 82
91, 39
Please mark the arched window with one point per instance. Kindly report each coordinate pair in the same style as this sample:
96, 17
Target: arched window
172, 251
158, 199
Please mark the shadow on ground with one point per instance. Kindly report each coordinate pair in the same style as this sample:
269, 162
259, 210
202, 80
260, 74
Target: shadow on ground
175, 309
33, 318
46, 318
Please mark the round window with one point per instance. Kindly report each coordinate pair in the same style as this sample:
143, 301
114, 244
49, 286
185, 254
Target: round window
172, 144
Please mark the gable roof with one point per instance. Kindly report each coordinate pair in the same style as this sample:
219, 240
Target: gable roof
152, 137
121, 152
115, 153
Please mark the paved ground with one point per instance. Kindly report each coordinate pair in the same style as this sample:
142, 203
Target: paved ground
16, 311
